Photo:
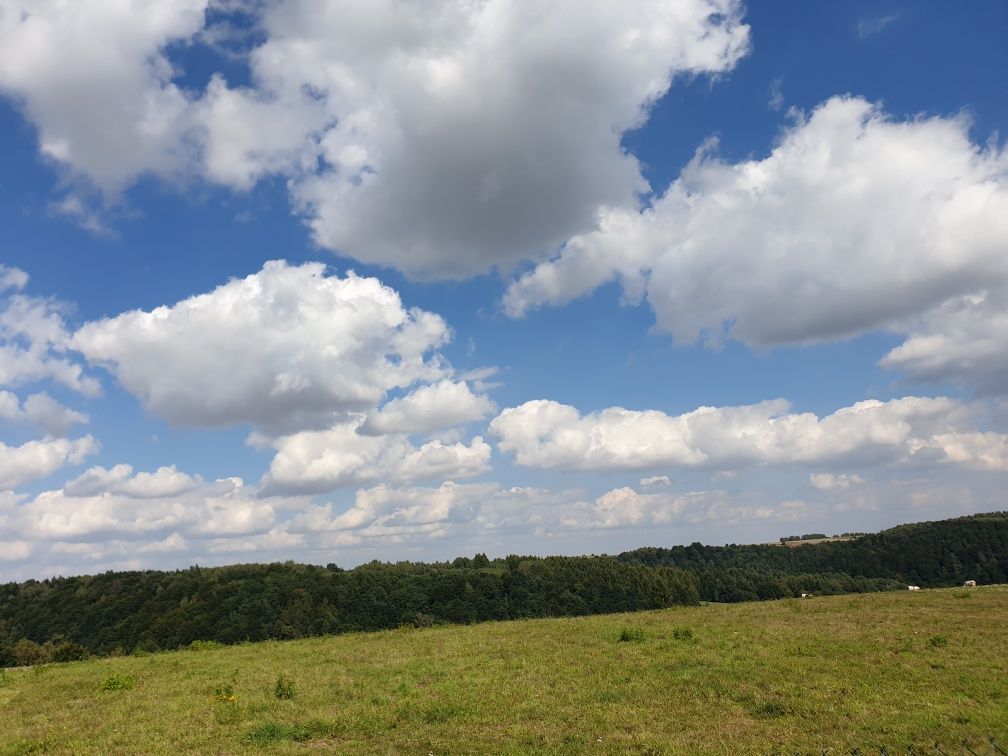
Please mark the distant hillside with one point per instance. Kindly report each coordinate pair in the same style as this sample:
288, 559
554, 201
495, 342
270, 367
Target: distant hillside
929, 554
67, 618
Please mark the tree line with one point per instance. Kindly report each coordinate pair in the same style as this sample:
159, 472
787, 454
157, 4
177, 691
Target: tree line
119, 612
67, 618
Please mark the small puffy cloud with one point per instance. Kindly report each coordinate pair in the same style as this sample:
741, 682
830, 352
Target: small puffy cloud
51, 416
963, 341
656, 481
385, 509
429, 408
829, 481
12, 278
37, 459
40, 410
546, 434
315, 461
34, 339
776, 100
285, 348
869, 26
163, 482
916, 212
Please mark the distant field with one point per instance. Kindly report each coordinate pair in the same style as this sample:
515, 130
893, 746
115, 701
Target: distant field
844, 672
807, 541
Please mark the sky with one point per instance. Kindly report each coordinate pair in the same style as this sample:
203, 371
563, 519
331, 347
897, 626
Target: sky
335, 281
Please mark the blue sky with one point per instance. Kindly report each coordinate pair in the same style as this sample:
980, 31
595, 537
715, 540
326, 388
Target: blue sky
604, 240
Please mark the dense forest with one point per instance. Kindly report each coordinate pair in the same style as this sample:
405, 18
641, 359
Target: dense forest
121, 612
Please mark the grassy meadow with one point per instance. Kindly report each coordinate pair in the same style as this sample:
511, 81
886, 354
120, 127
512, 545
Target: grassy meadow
793, 676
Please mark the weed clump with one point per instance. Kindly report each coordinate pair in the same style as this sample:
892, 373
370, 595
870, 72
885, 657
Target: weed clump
278, 732
938, 641
683, 634
771, 710
224, 692
117, 682
284, 688
631, 635
275, 732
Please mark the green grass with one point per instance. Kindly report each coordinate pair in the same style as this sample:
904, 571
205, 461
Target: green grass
788, 676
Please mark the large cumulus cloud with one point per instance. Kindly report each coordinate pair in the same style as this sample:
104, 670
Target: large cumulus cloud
440, 138
285, 348
854, 222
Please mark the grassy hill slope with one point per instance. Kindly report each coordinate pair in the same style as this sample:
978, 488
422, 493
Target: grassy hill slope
865, 671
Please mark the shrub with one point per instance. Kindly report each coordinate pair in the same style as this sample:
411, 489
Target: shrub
631, 635
284, 687
27, 652
423, 620
117, 682
67, 652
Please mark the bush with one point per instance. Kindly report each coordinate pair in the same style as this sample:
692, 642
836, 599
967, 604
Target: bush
67, 652
423, 620
27, 652
284, 688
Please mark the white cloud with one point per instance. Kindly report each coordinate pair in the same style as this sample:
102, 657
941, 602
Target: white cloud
545, 434
314, 461
853, 223
285, 348
868, 26
12, 278
453, 510
440, 405
776, 100
93, 78
829, 481
41, 410
34, 339
383, 509
163, 482
656, 481
115, 504
13, 551
512, 111
964, 341
37, 459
